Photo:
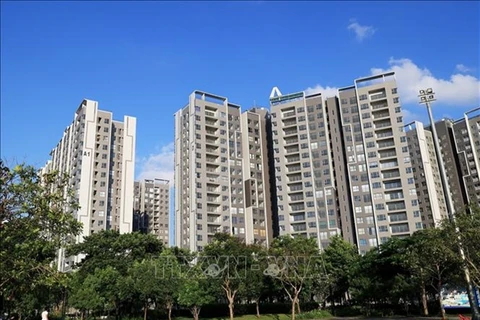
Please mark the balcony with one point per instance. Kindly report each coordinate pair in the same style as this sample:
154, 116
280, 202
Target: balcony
378, 96
290, 132
211, 141
394, 196
291, 140
213, 189
396, 184
293, 168
389, 164
210, 122
296, 197
391, 174
385, 134
380, 115
211, 132
293, 159
383, 124
288, 114
293, 149
395, 206
388, 154
296, 187
386, 144
210, 114
294, 178
377, 106
212, 209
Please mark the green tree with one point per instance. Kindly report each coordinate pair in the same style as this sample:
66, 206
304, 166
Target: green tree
464, 234
468, 224
110, 248
231, 256
35, 220
296, 263
255, 283
146, 283
438, 259
170, 267
340, 256
84, 294
193, 292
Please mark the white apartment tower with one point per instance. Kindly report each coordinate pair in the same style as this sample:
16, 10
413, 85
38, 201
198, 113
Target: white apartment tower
98, 153
221, 172
152, 207
425, 168
304, 172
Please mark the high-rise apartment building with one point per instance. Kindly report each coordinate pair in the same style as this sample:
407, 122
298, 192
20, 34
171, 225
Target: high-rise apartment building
426, 172
382, 186
460, 149
467, 145
221, 172
151, 208
304, 173
342, 164
98, 153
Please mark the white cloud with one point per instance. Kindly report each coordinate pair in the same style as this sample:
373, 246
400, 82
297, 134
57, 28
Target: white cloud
325, 91
458, 90
463, 68
361, 32
158, 165
410, 116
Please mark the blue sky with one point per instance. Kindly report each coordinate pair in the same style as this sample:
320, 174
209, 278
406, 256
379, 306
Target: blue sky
144, 58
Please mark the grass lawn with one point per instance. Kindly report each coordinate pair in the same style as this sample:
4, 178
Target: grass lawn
302, 316
247, 317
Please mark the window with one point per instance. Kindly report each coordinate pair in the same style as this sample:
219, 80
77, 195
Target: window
394, 90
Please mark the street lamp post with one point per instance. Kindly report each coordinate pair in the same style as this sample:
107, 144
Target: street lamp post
426, 97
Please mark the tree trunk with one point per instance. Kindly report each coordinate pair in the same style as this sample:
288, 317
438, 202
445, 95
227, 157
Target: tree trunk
195, 312
424, 300
169, 308
230, 308
258, 308
298, 306
442, 310
293, 308
145, 311
82, 315
230, 297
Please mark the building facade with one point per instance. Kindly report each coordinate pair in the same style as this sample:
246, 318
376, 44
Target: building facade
304, 172
98, 153
151, 208
342, 164
428, 182
382, 186
467, 146
221, 172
